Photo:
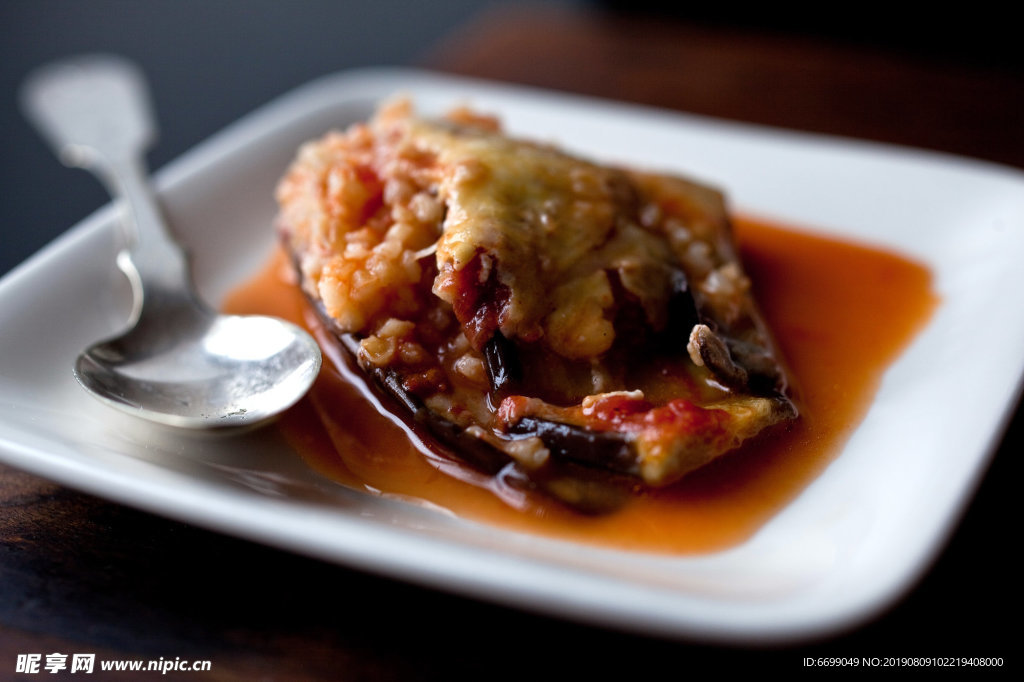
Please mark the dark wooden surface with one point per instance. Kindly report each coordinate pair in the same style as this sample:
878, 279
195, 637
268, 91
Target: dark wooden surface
79, 574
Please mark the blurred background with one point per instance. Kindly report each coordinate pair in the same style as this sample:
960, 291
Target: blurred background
944, 80
211, 62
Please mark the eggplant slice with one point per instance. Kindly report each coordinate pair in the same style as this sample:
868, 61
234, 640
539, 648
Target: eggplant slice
589, 329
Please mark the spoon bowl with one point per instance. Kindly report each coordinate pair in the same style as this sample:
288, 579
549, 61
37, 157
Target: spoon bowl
177, 362
217, 371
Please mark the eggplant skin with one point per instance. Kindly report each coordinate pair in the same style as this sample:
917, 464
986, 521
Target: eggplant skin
587, 325
577, 485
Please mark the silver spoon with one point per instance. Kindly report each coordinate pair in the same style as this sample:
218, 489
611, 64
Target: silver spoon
178, 363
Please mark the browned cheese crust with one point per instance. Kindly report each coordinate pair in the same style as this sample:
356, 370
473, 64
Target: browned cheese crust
547, 307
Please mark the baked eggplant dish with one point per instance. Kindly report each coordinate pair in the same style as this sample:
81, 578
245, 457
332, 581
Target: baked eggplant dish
587, 328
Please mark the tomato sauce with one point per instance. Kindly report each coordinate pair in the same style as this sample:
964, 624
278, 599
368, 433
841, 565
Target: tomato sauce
840, 312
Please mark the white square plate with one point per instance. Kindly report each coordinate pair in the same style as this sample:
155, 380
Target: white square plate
847, 546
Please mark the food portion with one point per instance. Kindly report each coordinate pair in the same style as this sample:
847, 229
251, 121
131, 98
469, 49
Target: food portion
578, 323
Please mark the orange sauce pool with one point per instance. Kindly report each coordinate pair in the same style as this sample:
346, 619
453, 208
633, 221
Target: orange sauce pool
840, 312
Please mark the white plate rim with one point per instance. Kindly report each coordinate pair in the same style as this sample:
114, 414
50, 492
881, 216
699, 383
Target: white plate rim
526, 576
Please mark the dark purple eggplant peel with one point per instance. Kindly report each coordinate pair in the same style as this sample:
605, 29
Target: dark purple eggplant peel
586, 328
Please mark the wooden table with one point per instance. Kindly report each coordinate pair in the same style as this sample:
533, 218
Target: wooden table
80, 574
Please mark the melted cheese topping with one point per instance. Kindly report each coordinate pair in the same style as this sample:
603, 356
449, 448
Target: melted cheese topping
548, 228
526, 239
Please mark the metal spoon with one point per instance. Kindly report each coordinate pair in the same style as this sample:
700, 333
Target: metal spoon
178, 363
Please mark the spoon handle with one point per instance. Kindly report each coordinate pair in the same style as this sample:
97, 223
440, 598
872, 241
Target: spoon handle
95, 112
